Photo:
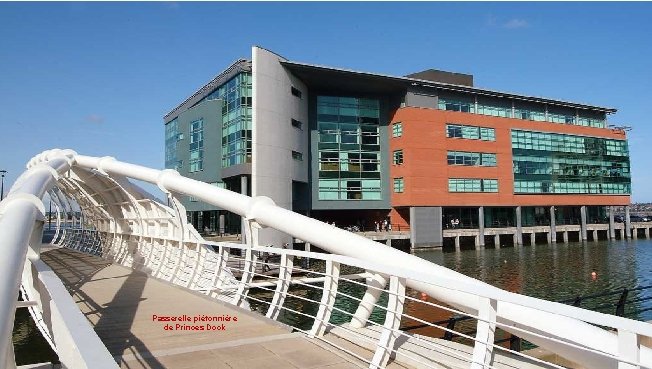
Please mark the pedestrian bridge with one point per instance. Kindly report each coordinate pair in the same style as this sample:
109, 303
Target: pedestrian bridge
127, 282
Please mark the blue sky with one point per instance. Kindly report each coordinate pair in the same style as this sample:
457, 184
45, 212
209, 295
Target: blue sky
98, 77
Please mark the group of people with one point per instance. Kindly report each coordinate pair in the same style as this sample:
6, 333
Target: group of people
455, 223
384, 226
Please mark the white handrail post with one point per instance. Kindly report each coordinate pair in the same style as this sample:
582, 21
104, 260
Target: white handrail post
282, 286
328, 297
628, 349
486, 329
375, 285
249, 267
390, 332
218, 278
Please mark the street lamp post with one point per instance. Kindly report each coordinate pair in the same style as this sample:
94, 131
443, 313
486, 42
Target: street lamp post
2, 184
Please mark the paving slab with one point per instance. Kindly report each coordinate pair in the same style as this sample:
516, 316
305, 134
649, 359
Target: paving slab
130, 311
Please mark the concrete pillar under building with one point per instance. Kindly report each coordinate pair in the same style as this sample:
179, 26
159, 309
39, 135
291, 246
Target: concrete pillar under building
222, 229
477, 242
533, 238
515, 240
552, 236
243, 191
388, 242
635, 233
481, 225
497, 241
457, 243
622, 233
628, 223
647, 232
612, 230
565, 236
595, 235
518, 240
425, 227
583, 233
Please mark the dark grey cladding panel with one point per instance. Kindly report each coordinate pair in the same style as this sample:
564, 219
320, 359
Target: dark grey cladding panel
425, 226
236, 170
211, 113
420, 100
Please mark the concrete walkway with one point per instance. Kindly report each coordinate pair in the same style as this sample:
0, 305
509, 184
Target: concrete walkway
129, 311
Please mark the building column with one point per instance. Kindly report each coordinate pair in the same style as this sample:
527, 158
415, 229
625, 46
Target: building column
583, 235
647, 232
497, 241
552, 238
612, 230
388, 242
533, 238
565, 235
595, 235
425, 226
457, 243
519, 227
481, 226
628, 223
221, 228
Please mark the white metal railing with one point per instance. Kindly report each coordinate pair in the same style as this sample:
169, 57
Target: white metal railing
123, 224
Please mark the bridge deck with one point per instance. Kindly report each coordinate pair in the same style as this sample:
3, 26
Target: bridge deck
120, 304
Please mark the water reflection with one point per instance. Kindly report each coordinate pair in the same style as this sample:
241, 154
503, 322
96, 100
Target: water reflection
562, 271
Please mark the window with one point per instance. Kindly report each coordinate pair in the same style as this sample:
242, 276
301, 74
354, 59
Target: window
349, 148
171, 147
494, 111
471, 158
470, 132
397, 129
192, 199
398, 185
297, 124
472, 185
568, 164
236, 119
196, 145
297, 155
454, 105
295, 91
398, 157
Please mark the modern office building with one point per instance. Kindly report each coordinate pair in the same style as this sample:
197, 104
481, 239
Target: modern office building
425, 151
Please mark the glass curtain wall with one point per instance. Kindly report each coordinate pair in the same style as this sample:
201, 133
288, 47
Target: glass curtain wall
468, 105
171, 139
236, 119
558, 163
349, 148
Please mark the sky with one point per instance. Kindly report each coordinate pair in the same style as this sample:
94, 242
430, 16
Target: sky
99, 77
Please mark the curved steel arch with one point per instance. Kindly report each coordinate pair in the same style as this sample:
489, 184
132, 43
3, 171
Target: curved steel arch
128, 225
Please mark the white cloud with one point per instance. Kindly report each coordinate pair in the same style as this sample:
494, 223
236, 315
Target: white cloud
515, 23
95, 118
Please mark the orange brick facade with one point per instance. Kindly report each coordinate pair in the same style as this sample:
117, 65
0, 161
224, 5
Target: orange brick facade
425, 170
